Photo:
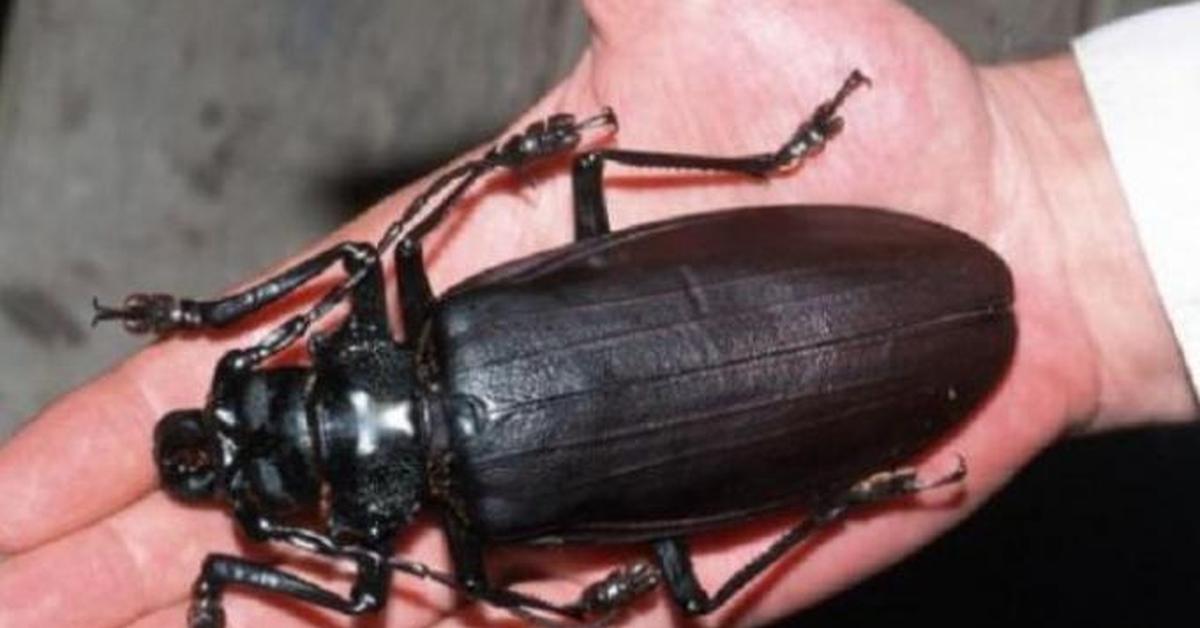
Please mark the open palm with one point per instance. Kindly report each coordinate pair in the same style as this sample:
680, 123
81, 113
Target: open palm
96, 545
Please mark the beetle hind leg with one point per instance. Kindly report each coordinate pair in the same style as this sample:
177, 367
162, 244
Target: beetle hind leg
898, 483
675, 558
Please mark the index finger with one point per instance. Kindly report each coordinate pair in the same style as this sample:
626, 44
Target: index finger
88, 453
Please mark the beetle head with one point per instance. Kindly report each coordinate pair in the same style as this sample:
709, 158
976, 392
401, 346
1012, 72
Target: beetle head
185, 452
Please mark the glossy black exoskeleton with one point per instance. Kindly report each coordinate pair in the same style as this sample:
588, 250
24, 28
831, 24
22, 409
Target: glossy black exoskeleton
639, 385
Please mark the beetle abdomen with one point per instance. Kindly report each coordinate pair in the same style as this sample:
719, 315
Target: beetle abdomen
682, 373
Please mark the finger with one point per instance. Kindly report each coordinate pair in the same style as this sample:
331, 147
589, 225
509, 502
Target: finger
88, 454
248, 611
111, 572
411, 602
402, 611
147, 556
417, 603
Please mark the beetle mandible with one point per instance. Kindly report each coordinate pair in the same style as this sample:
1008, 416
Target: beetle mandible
632, 386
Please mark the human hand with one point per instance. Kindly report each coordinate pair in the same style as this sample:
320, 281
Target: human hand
1008, 154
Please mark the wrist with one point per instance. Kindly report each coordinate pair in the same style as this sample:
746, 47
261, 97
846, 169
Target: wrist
1138, 371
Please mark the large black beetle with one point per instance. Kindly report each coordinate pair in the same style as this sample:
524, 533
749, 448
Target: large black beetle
638, 385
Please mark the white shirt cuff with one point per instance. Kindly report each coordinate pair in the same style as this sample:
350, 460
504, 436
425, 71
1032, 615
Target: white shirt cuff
1143, 77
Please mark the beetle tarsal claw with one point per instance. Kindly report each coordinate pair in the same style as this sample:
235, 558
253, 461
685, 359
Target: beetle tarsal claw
619, 588
141, 313
954, 476
903, 481
102, 312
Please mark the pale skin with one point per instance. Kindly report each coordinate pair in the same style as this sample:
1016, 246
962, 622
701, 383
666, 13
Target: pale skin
1010, 154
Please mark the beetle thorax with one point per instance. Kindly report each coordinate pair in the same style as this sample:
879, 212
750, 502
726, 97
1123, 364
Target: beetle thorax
370, 438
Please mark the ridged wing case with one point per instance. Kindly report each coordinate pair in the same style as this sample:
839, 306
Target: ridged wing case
685, 373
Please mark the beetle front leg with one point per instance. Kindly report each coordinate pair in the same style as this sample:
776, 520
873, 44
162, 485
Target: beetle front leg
675, 557
162, 313
368, 593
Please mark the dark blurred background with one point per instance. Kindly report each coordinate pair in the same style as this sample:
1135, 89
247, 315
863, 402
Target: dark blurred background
178, 145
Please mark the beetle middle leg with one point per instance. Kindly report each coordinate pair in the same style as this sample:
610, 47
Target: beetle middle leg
674, 556
601, 599
591, 215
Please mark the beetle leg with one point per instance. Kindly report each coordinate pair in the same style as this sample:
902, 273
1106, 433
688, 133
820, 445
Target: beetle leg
416, 297
557, 134
554, 135
587, 188
591, 215
466, 552
620, 588
368, 314
598, 601
899, 482
161, 313
674, 557
371, 585
368, 593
